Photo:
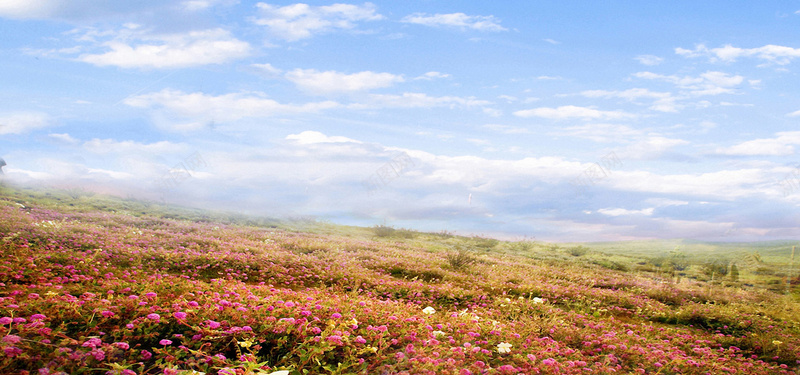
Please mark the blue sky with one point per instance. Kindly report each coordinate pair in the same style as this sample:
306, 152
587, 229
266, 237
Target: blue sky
561, 121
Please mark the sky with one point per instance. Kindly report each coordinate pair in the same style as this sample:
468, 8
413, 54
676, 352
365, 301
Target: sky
554, 121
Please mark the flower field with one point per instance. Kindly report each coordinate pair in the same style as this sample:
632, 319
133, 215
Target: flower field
85, 290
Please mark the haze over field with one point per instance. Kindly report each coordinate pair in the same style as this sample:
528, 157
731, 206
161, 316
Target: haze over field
570, 121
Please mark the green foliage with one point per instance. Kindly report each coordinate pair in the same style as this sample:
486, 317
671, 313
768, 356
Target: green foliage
383, 231
483, 243
715, 268
461, 259
577, 251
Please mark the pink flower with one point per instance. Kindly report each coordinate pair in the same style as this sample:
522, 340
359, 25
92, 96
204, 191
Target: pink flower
98, 354
360, 340
6, 320
146, 355
35, 317
122, 345
153, 316
150, 295
212, 324
550, 362
92, 343
180, 315
336, 315
12, 351
12, 339
506, 369
107, 313
165, 342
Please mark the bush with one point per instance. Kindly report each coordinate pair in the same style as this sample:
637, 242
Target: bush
461, 259
577, 251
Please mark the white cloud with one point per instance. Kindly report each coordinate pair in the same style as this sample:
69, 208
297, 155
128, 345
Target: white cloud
571, 111
552, 41
661, 101
780, 55
708, 83
311, 137
506, 129
432, 75
794, 114
649, 60
650, 147
331, 81
111, 146
778, 146
23, 122
457, 20
29, 9
63, 138
721, 185
601, 132
227, 107
419, 100
135, 49
302, 21
267, 70
665, 202
625, 212
198, 5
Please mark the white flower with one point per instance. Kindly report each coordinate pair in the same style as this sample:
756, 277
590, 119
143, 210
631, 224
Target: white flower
537, 300
429, 310
438, 333
504, 347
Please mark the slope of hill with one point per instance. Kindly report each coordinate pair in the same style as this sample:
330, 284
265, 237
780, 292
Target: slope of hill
93, 284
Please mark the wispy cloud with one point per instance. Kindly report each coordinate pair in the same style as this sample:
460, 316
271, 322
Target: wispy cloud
660, 101
506, 129
783, 144
199, 107
302, 21
111, 146
133, 48
456, 20
317, 82
312, 137
649, 60
708, 83
432, 75
24, 122
419, 100
774, 54
626, 212
571, 111
604, 133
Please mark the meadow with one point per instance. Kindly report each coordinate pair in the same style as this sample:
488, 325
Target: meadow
101, 285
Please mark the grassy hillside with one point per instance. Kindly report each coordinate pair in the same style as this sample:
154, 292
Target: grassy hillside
92, 284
